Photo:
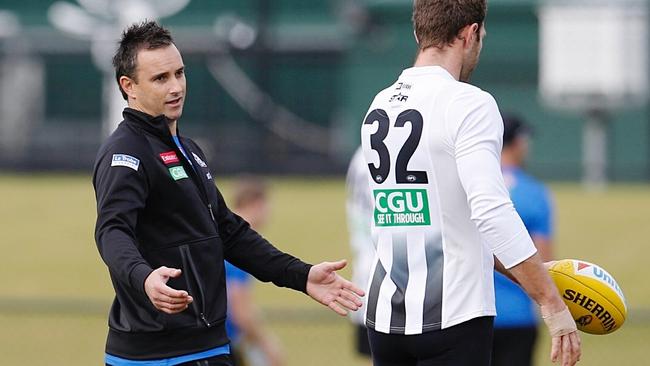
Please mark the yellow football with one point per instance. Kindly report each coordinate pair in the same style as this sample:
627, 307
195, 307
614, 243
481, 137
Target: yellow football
594, 298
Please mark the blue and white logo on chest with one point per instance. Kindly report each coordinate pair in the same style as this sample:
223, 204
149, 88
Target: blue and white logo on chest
199, 161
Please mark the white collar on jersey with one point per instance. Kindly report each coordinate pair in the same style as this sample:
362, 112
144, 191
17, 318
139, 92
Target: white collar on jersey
426, 70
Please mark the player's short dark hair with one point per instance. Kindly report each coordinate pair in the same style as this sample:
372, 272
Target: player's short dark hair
513, 127
437, 22
146, 35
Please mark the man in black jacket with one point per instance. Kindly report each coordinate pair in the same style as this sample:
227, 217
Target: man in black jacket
163, 228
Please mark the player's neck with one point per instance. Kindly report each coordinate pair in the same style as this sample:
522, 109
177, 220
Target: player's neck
172, 127
447, 58
509, 160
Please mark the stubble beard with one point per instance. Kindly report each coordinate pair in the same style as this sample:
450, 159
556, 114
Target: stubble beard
466, 73
468, 67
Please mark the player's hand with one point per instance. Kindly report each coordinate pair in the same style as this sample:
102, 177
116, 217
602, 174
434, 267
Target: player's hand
163, 297
565, 341
327, 287
566, 349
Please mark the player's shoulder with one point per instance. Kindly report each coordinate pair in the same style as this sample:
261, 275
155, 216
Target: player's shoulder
357, 169
530, 183
124, 137
123, 143
383, 96
357, 157
471, 95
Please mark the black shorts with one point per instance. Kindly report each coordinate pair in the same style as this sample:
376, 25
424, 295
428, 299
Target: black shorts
363, 345
465, 344
513, 346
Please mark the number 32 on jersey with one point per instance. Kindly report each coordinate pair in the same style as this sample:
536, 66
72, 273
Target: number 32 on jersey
397, 206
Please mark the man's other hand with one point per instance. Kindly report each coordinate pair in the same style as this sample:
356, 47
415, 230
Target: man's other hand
328, 288
566, 349
163, 297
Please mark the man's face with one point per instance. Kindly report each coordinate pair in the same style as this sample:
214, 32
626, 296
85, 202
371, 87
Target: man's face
256, 212
472, 55
160, 87
517, 151
522, 148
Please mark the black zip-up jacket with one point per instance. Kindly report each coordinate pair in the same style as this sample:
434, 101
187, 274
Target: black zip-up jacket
156, 209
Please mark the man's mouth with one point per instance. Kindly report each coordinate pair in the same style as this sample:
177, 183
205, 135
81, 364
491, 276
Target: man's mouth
174, 102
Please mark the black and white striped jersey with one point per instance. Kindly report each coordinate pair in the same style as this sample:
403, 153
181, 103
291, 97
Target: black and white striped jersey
441, 209
359, 206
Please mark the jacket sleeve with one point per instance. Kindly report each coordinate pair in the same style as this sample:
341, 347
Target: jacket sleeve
248, 250
120, 191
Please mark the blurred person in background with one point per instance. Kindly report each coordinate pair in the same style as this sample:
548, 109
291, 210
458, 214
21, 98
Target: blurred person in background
164, 229
244, 326
359, 207
515, 326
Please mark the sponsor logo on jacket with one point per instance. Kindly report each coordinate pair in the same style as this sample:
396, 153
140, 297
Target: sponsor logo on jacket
177, 172
125, 160
199, 161
169, 157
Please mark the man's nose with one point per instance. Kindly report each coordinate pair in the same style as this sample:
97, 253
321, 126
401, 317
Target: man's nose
176, 86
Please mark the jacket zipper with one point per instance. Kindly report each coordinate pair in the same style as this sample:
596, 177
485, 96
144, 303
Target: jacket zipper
204, 195
211, 213
195, 177
186, 264
187, 259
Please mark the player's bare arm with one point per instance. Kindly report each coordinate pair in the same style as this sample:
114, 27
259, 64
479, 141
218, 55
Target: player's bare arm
533, 276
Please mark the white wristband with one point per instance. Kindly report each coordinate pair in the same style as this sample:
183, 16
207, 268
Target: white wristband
560, 323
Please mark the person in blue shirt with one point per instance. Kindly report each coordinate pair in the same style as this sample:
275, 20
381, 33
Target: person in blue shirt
243, 324
515, 326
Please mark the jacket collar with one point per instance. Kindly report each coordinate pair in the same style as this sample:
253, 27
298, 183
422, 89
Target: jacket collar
158, 125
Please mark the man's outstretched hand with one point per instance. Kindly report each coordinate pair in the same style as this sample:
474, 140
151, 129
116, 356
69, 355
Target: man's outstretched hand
163, 297
328, 288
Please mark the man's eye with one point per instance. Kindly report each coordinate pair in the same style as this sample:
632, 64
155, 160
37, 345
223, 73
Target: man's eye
161, 78
180, 72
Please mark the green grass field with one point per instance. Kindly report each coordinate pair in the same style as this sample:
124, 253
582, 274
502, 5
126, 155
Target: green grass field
54, 289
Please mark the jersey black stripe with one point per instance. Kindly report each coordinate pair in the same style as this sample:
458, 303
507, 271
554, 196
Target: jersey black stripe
399, 274
432, 316
373, 294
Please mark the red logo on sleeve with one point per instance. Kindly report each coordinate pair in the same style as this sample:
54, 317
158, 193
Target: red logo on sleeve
169, 157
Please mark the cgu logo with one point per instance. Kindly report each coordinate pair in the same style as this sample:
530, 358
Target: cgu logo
399, 201
401, 207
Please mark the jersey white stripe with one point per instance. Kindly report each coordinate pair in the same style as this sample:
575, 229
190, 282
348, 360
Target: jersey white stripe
384, 307
417, 282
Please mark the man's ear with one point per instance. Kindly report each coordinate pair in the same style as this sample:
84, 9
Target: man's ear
127, 84
469, 33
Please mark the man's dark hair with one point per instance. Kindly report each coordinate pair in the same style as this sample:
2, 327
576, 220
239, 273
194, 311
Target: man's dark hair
146, 35
513, 127
437, 22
